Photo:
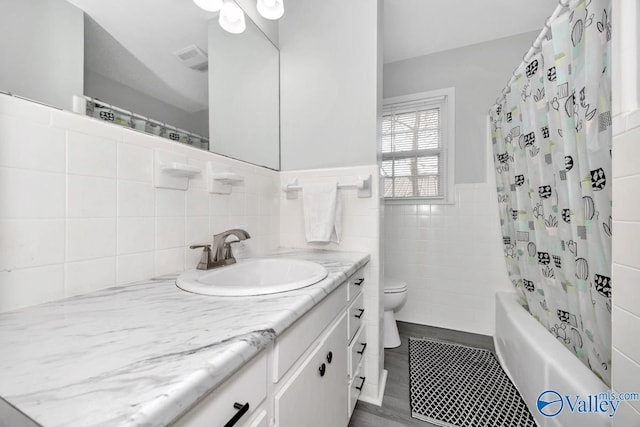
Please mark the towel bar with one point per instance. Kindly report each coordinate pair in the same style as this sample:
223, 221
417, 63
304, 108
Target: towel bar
362, 184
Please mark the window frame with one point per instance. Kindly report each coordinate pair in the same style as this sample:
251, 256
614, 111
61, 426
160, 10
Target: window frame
446, 99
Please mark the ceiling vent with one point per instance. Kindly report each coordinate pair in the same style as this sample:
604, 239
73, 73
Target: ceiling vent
193, 57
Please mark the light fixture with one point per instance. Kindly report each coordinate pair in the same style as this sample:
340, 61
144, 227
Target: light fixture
209, 5
270, 9
232, 17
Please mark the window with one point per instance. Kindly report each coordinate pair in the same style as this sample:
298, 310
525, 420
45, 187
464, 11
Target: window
417, 146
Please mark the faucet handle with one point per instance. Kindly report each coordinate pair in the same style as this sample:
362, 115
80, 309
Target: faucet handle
205, 259
206, 247
226, 251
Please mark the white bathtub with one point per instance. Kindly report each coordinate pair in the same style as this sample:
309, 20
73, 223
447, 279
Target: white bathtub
535, 361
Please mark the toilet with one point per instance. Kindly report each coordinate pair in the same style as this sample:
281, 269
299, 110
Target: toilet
395, 295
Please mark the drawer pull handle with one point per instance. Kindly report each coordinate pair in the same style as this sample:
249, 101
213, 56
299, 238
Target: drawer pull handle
357, 316
322, 369
362, 383
364, 345
242, 409
329, 357
359, 282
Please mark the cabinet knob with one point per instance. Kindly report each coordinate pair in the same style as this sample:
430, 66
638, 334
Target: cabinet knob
359, 282
359, 315
242, 409
329, 357
362, 383
364, 345
322, 369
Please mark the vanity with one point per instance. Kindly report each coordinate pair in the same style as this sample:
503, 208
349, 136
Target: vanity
309, 375
152, 354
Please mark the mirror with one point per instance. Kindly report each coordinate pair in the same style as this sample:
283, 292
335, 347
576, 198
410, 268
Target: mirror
244, 101
160, 66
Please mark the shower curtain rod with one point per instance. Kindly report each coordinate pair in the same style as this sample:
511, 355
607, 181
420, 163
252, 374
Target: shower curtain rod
537, 44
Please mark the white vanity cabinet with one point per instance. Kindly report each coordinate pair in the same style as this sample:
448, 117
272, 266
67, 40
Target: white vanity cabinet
316, 394
310, 376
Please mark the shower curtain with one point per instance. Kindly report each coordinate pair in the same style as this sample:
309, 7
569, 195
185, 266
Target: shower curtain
551, 137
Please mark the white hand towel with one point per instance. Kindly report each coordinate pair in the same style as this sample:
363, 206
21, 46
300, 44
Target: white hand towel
322, 212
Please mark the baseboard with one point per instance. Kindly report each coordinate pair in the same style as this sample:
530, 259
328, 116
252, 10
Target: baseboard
382, 385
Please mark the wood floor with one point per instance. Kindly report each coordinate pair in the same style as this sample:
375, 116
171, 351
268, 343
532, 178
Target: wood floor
395, 410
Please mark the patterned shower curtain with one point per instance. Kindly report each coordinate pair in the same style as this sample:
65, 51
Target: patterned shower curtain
552, 150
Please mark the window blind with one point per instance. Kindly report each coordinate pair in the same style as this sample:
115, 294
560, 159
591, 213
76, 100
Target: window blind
412, 151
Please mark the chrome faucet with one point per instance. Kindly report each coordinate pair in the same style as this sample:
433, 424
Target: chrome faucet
222, 254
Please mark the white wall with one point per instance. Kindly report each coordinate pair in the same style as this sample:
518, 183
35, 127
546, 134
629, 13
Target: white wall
80, 211
625, 323
42, 59
626, 271
626, 58
478, 73
329, 78
361, 225
115, 93
450, 256
330, 98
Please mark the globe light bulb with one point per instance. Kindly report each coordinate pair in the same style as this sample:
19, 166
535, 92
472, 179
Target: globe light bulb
270, 9
232, 18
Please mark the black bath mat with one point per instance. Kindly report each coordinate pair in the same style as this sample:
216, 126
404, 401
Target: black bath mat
454, 385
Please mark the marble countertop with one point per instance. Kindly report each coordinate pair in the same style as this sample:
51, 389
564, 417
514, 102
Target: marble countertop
142, 354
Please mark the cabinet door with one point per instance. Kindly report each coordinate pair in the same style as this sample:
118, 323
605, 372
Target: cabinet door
317, 394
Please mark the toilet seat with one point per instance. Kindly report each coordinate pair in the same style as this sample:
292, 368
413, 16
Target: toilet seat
394, 286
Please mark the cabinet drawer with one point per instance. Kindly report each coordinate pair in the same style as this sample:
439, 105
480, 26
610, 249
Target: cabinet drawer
316, 395
356, 283
248, 386
290, 345
356, 350
355, 387
356, 316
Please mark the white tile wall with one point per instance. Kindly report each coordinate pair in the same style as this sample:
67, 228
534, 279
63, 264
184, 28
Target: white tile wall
79, 210
626, 273
30, 145
625, 322
136, 266
361, 232
33, 194
451, 258
30, 243
90, 155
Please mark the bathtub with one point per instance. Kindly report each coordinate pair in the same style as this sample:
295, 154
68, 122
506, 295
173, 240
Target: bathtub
535, 361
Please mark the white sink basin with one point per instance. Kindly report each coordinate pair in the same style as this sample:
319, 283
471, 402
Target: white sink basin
259, 276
